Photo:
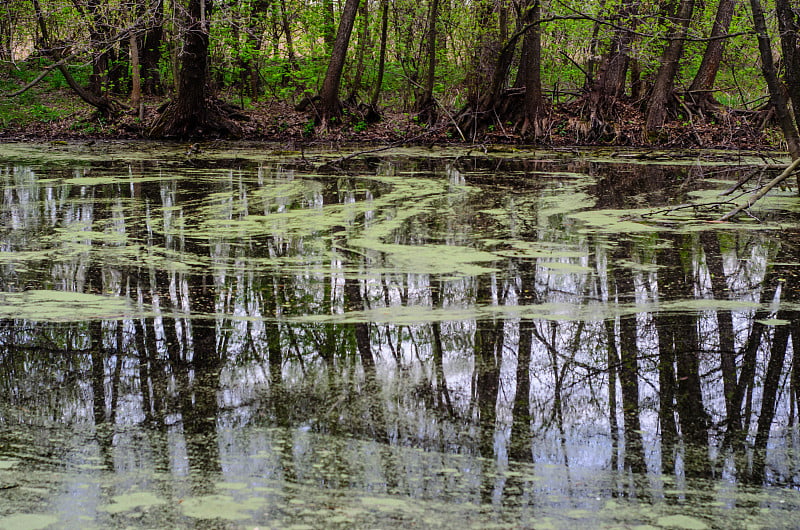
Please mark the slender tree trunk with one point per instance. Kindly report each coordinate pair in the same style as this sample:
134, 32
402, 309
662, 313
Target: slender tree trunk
150, 56
600, 108
664, 85
614, 66
376, 94
328, 34
426, 105
534, 107
330, 107
776, 97
789, 28
250, 61
136, 85
363, 45
287, 32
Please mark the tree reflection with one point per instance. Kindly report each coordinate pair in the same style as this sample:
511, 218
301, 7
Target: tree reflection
568, 348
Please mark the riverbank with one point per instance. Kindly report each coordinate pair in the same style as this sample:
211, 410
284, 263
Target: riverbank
42, 114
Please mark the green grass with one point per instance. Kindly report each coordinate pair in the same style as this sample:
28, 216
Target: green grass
48, 101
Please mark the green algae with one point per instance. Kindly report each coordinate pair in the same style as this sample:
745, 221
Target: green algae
413, 236
684, 522
27, 521
220, 507
62, 306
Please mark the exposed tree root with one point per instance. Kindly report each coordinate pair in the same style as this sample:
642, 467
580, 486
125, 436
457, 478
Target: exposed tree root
216, 120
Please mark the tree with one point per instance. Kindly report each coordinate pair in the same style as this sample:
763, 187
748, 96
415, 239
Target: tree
664, 84
789, 29
376, 94
700, 94
106, 106
600, 104
777, 99
530, 64
426, 106
192, 113
150, 46
330, 107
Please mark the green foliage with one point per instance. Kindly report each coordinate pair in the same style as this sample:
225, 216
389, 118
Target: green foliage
252, 55
308, 129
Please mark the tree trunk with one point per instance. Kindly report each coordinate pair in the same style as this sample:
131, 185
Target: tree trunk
664, 85
287, 31
600, 108
136, 85
789, 28
376, 95
610, 81
426, 105
700, 90
330, 107
328, 36
776, 97
192, 114
150, 56
363, 45
249, 60
534, 107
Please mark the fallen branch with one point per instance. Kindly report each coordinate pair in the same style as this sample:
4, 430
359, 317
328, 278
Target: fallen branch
763, 191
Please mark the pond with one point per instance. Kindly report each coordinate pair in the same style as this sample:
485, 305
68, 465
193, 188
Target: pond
253, 337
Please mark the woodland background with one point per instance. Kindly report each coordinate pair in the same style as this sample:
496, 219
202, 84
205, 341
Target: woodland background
713, 73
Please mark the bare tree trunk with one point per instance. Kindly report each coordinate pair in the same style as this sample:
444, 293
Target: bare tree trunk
534, 107
609, 85
330, 107
789, 28
376, 94
703, 83
426, 105
328, 36
664, 85
150, 56
136, 84
776, 97
363, 45
614, 65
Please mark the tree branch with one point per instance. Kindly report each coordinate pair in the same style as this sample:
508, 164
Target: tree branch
763, 191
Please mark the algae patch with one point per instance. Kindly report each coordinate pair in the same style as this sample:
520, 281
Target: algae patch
63, 306
219, 507
27, 521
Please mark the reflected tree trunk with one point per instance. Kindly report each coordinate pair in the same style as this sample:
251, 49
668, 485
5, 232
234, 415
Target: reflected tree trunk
629, 373
613, 363
727, 349
200, 380
487, 341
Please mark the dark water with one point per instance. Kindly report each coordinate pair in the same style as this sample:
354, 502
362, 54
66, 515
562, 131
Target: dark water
440, 338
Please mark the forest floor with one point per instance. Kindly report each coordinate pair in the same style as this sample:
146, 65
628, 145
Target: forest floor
46, 113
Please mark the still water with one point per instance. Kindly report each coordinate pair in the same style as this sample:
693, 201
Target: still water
438, 338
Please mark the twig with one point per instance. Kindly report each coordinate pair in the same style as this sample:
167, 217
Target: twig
744, 180
452, 119
763, 191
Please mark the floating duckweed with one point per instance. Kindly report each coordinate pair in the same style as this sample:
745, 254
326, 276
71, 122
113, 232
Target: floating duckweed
131, 501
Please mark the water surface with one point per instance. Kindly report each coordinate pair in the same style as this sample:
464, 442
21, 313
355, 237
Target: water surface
251, 337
